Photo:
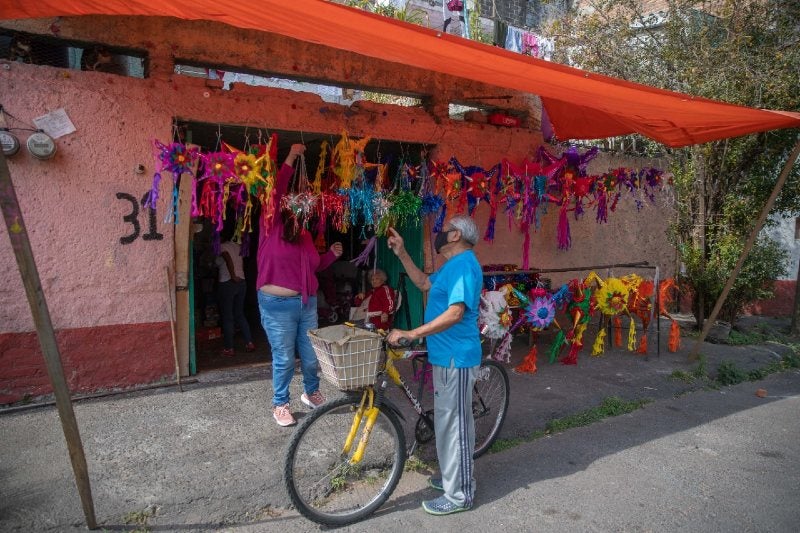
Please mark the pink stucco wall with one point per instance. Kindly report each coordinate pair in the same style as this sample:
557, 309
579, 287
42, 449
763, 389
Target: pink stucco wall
75, 218
781, 304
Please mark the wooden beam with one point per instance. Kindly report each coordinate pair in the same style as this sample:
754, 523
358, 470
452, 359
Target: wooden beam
18, 235
182, 235
751, 240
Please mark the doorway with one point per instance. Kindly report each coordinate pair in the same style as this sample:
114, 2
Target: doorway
338, 284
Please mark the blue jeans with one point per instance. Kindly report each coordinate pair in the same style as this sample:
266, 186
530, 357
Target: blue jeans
231, 299
286, 322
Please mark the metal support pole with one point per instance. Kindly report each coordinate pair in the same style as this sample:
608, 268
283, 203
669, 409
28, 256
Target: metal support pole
751, 240
18, 236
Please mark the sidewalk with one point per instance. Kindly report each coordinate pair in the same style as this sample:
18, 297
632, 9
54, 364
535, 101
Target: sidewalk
211, 457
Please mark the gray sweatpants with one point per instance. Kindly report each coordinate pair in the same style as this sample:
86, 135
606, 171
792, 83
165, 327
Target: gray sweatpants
455, 431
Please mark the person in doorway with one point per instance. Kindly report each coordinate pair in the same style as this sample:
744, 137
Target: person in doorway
382, 300
454, 349
231, 292
287, 297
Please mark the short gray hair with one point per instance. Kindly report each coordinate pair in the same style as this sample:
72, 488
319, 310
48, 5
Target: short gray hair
467, 227
380, 272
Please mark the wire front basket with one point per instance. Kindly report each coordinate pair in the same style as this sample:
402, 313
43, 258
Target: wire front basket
348, 357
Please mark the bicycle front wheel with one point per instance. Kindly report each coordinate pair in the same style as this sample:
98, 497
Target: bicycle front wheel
322, 483
489, 404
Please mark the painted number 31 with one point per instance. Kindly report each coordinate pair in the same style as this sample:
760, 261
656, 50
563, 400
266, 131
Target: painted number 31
133, 219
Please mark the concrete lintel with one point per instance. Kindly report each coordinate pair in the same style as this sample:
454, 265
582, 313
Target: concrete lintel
212, 43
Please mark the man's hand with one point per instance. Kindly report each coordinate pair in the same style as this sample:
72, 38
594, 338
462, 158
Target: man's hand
395, 242
337, 249
395, 337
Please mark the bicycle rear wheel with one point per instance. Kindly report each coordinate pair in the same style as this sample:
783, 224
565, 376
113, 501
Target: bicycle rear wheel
489, 404
322, 483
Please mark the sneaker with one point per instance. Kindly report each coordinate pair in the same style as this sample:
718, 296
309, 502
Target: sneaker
283, 416
228, 352
442, 506
313, 400
435, 483
249, 347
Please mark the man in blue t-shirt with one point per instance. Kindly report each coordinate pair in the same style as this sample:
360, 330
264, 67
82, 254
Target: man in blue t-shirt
454, 350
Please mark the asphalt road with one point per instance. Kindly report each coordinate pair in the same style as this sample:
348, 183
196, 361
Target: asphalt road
209, 460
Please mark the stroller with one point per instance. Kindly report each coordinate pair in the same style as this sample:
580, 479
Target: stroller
333, 305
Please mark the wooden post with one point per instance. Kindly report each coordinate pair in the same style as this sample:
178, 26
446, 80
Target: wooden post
182, 272
795, 326
751, 240
47, 338
182, 235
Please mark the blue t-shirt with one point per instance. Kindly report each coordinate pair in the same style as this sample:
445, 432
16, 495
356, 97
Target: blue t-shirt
459, 280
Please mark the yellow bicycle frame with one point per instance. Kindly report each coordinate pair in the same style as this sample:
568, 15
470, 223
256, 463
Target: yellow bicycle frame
367, 407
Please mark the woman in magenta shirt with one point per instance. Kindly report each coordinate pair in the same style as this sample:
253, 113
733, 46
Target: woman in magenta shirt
287, 282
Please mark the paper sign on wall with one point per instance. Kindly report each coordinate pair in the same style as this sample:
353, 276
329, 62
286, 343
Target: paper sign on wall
55, 123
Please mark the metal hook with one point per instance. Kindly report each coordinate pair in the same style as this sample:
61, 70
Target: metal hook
219, 138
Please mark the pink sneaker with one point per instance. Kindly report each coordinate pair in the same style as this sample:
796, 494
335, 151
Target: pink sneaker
313, 400
283, 416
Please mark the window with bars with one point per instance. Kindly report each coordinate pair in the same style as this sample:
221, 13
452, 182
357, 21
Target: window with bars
52, 51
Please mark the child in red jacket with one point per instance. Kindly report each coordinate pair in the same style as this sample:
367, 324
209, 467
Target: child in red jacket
382, 300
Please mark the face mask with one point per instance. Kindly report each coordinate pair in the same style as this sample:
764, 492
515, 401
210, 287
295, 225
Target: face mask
440, 241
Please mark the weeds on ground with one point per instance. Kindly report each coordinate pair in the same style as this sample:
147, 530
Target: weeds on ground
140, 519
415, 464
730, 374
698, 373
610, 406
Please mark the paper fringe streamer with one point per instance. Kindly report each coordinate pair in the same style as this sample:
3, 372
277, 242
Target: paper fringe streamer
632, 336
599, 343
642, 344
562, 232
617, 331
528, 365
555, 348
674, 337
577, 343
363, 257
572, 356
503, 351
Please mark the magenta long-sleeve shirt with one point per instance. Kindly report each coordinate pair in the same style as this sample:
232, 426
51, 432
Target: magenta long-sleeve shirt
289, 265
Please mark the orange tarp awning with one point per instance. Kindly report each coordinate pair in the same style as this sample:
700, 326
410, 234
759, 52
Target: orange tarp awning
581, 105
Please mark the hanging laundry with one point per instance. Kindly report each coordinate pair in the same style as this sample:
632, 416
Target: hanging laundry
514, 39
500, 33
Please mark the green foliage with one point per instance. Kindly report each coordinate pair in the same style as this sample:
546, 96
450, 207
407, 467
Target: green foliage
742, 52
730, 374
611, 406
700, 371
500, 445
792, 360
707, 274
408, 13
415, 464
680, 375
139, 519
476, 32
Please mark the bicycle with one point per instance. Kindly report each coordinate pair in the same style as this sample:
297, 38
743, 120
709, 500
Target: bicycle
336, 477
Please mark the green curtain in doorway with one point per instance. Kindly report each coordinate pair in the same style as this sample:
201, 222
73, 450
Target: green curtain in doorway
414, 240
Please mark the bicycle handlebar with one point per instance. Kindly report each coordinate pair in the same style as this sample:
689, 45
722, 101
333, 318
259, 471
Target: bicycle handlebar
403, 342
